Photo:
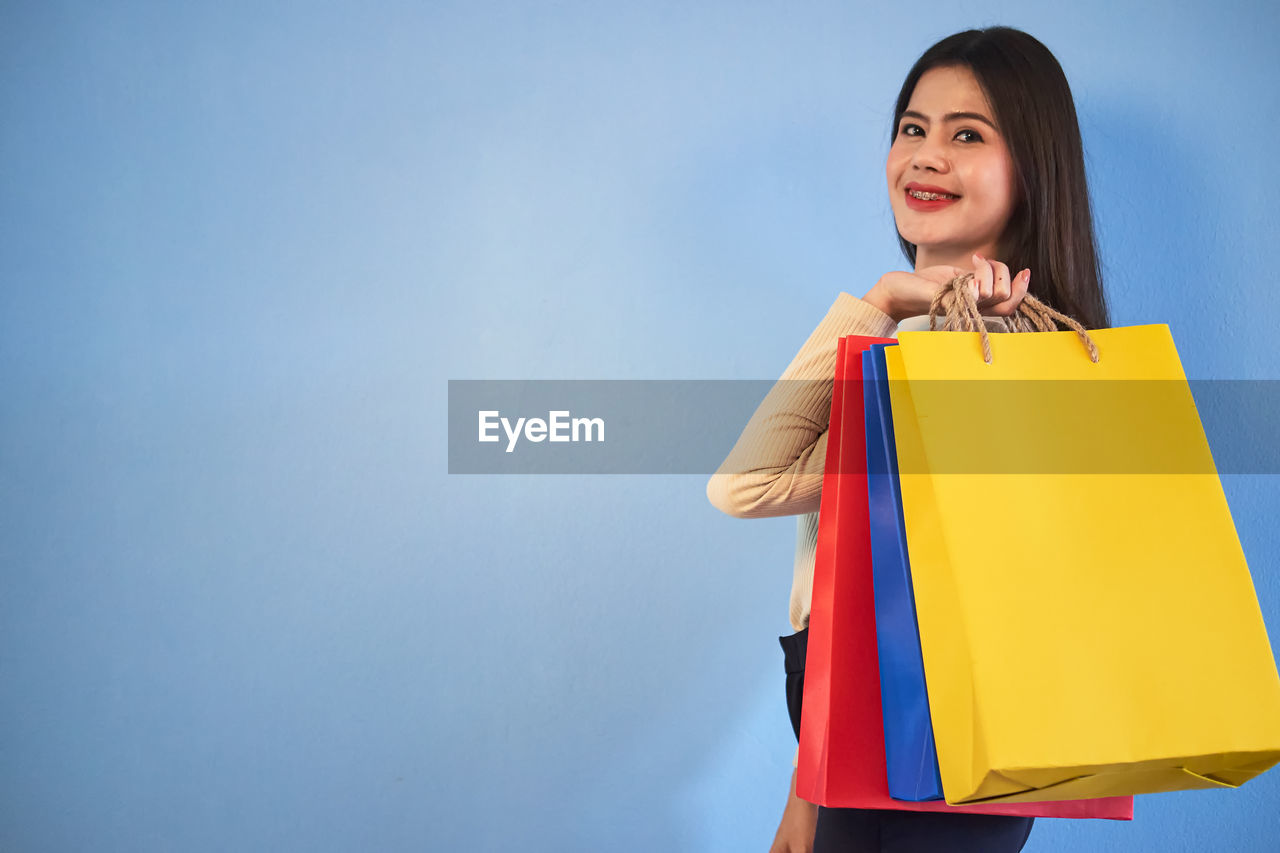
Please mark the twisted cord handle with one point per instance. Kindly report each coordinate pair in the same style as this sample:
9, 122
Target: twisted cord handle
957, 307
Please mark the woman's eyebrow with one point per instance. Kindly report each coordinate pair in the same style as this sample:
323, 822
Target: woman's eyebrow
952, 117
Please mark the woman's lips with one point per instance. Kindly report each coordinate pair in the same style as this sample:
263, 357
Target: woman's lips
926, 206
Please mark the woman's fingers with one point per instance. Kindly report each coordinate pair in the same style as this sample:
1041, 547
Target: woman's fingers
983, 278
1001, 288
1017, 291
993, 280
996, 290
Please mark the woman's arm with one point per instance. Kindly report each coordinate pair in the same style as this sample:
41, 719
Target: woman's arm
776, 466
798, 824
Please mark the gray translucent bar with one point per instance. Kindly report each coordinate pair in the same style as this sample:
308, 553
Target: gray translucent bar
689, 426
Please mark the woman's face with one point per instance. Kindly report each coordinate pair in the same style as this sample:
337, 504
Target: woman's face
951, 179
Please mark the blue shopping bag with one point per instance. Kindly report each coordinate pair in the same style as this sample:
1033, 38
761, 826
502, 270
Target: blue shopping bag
910, 755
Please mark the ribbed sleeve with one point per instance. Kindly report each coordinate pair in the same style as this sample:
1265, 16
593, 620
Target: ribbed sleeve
775, 468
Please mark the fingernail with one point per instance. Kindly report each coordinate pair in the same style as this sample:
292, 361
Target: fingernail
977, 257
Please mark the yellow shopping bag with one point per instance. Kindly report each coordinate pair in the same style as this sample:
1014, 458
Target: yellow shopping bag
1087, 620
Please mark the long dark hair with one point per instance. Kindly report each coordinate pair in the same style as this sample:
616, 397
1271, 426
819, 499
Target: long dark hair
1051, 230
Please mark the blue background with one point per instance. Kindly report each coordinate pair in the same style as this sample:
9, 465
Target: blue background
243, 247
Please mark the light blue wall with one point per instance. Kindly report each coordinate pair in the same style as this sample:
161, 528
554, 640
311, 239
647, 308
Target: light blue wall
242, 248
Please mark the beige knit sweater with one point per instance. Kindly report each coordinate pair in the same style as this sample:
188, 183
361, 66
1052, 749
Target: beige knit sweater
775, 468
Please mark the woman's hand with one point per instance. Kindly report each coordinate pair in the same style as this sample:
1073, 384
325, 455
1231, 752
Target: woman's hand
908, 294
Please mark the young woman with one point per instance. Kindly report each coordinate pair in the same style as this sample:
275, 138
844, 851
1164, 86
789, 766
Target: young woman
985, 175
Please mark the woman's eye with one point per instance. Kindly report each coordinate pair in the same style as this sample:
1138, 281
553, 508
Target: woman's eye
911, 130
969, 136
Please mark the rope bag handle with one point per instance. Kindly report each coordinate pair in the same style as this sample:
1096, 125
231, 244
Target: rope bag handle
957, 307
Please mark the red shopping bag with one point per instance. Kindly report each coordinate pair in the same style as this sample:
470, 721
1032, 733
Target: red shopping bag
842, 760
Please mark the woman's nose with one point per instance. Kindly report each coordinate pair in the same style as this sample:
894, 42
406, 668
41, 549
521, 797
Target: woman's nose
931, 154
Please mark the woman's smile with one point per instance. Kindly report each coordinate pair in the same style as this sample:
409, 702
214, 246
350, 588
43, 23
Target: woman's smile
926, 197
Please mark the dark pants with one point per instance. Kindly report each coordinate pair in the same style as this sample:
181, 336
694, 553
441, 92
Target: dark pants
890, 830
